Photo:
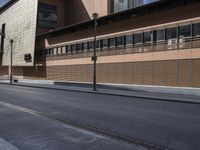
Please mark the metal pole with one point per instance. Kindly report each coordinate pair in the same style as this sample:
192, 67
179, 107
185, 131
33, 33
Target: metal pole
95, 15
11, 61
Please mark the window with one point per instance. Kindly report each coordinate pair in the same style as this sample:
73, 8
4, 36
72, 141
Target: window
84, 46
171, 33
184, 36
111, 42
185, 31
45, 52
56, 50
2, 37
112, 6
159, 35
66, 49
51, 51
63, 50
48, 52
120, 41
129, 39
196, 35
97, 44
147, 37
69, 49
104, 43
171, 37
90, 45
59, 50
78, 47
137, 38
196, 29
73, 48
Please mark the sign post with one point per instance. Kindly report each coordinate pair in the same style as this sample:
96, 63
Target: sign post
11, 60
94, 58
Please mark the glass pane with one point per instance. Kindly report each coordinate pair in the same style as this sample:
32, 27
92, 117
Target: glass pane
184, 31
196, 29
120, 40
90, 45
2, 37
129, 39
65, 49
85, 46
111, 42
73, 48
171, 33
51, 51
137, 38
159, 35
97, 44
104, 43
56, 51
69, 49
147, 37
78, 47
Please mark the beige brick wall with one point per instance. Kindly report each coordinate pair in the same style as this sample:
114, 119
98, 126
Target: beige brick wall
182, 73
20, 20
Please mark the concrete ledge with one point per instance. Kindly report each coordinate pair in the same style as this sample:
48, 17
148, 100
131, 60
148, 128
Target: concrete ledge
99, 86
48, 82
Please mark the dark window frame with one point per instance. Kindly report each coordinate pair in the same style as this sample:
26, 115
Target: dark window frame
3, 30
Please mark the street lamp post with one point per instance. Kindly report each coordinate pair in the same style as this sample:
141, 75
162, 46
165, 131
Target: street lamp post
94, 58
11, 61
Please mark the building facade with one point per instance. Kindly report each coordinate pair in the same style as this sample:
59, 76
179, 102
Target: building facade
121, 5
156, 44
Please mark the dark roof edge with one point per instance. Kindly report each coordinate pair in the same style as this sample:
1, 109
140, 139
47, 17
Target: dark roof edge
7, 5
122, 13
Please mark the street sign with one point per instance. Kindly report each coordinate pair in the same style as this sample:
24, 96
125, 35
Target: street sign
28, 57
94, 58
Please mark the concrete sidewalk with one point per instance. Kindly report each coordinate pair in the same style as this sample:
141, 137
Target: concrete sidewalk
4, 145
172, 94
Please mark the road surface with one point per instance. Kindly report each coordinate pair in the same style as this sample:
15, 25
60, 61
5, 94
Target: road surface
37, 119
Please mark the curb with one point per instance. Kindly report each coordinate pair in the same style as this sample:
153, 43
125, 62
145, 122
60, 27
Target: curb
109, 93
100, 86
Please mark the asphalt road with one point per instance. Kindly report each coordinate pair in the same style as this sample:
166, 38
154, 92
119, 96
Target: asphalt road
170, 124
